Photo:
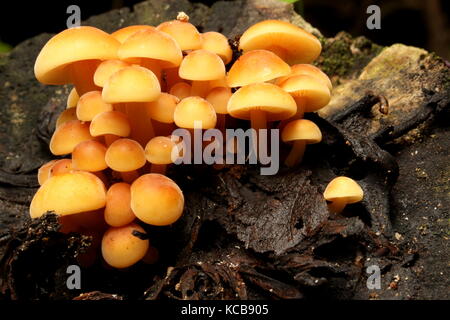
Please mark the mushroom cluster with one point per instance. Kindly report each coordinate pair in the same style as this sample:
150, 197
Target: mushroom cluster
132, 88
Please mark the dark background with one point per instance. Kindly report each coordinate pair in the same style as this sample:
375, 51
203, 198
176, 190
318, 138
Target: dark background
415, 22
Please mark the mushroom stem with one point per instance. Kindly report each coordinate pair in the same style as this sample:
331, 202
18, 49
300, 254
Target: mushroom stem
200, 88
158, 168
154, 67
141, 124
82, 75
337, 206
296, 154
221, 121
129, 176
110, 138
163, 129
258, 121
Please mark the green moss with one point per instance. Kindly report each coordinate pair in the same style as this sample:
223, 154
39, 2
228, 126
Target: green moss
343, 54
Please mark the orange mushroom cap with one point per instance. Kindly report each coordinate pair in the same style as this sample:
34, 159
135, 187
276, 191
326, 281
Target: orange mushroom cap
159, 150
294, 44
156, 199
89, 156
68, 135
163, 108
202, 65
219, 97
125, 155
217, 43
309, 70
65, 116
118, 205
256, 66
193, 109
91, 104
184, 33
110, 122
131, 84
152, 44
69, 193
106, 69
121, 248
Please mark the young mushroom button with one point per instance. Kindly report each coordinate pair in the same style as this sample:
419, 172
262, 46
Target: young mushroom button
156, 199
121, 247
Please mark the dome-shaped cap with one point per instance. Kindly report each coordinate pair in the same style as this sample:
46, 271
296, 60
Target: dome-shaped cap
131, 84
256, 66
193, 109
217, 43
277, 104
309, 70
156, 199
202, 65
184, 33
343, 188
301, 129
152, 44
69, 193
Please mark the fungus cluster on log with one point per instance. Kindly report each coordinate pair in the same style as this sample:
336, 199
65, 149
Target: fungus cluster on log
132, 88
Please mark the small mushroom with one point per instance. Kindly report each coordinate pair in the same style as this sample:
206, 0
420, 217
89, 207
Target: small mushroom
309, 70
161, 111
61, 166
159, 153
134, 86
192, 109
201, 66
68, 135
72, 56
260, 103
110, 124
89, 156
91, 104
65, 116
44, 171
154, 50
181, 90
118, 210
156, 199
184, 33
300, 132
121, 248
219, 97
289, 42
125, 155
106, 69
342, 191
256, 66
217, 43
69, 193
